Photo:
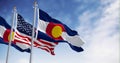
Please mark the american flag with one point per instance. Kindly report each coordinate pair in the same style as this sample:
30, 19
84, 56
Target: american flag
24, 36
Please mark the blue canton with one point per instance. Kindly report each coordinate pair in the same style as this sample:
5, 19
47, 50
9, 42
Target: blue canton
23, 26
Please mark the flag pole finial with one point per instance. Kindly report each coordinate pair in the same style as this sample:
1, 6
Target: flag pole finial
14, 9
35, 4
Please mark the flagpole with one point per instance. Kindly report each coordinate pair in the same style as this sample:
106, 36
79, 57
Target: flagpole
16, 20
31, 54
10, 41
37, 22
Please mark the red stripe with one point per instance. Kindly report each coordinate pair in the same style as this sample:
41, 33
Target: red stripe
47, 43
18, 41
36, 44
51, 51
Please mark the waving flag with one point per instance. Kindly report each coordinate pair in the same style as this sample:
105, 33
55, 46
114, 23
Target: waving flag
5, 37
43, 41
59, 31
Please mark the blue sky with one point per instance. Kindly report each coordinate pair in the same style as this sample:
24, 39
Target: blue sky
95, 20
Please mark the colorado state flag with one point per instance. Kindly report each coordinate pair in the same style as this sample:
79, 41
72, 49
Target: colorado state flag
59, 31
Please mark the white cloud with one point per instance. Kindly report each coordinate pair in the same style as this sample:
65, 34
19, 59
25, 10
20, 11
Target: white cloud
23, 60
102, 40
1, 61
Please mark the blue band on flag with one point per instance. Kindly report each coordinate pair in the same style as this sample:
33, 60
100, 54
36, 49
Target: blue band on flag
4, 23
78, 49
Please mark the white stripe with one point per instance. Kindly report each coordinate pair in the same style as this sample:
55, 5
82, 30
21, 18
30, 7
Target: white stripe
50, 51
2, 30
22, 46
74, 40
21, 39
42, 25
48, 42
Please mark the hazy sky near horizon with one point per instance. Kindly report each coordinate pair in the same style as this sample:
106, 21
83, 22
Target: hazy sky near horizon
95, 20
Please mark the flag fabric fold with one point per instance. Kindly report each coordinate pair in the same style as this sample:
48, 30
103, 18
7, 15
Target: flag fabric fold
59, 31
